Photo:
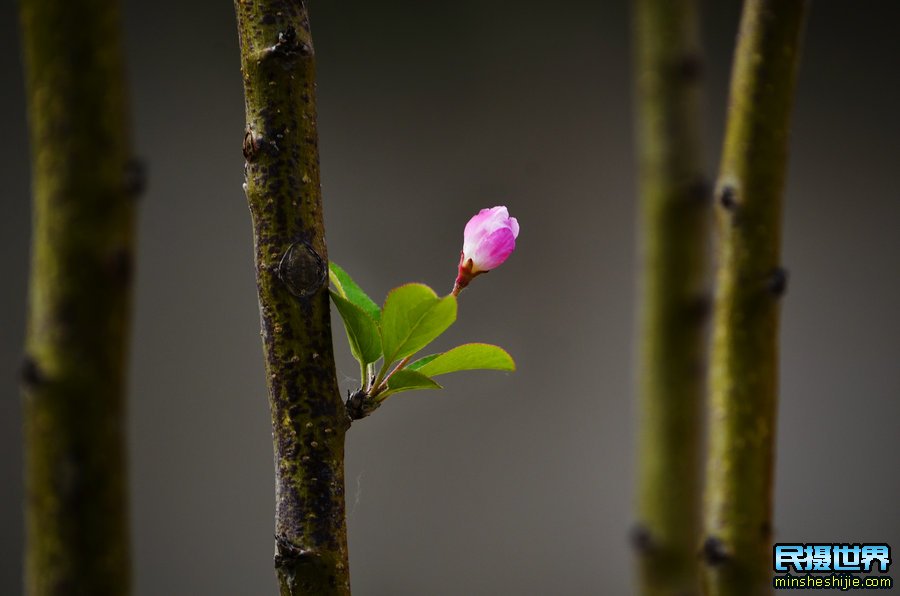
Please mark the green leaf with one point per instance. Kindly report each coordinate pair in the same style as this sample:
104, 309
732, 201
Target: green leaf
413, 317
362, 332
348, 289
406, 380
466, 357
416, 365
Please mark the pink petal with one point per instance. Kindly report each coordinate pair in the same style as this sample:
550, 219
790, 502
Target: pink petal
493, 249
514, 226
486, 222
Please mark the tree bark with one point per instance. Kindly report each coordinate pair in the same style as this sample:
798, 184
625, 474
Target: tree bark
309, 420
675, 220
750, 281
84, 182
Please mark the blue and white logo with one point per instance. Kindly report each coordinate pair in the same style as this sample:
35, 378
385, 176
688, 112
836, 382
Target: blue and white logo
827, 558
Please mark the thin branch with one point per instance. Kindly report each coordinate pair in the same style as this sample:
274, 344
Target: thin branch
750, 282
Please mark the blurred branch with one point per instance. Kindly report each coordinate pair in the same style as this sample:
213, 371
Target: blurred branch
74, 375
675, 227
309, 419
750, 281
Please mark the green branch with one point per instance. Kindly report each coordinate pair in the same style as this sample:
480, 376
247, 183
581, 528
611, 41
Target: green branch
83, 182
309, 420
675, 222
744, 379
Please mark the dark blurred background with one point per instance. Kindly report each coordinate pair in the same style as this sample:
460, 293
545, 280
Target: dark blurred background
501, 484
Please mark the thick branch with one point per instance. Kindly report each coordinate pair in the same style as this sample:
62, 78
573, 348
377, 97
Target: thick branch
83, 182
744, 380
675, 221
309, 419
675, 210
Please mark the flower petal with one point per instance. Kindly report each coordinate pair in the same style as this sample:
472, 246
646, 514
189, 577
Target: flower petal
493, 249
485, 223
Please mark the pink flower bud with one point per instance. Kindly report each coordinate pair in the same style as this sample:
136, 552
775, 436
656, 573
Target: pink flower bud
488, 240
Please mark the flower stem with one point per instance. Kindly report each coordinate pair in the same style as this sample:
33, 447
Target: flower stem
750, 281
376, 383
370, 376
383, 385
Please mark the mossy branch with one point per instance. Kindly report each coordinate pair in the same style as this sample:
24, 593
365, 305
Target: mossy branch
750, 281
675, 225
309, 420
83, 182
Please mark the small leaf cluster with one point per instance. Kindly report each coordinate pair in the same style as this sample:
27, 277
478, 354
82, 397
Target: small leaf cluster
384, 339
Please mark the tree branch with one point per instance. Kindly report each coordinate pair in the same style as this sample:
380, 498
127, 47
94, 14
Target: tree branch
744, 372
309, 419
676, 217
83, 182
